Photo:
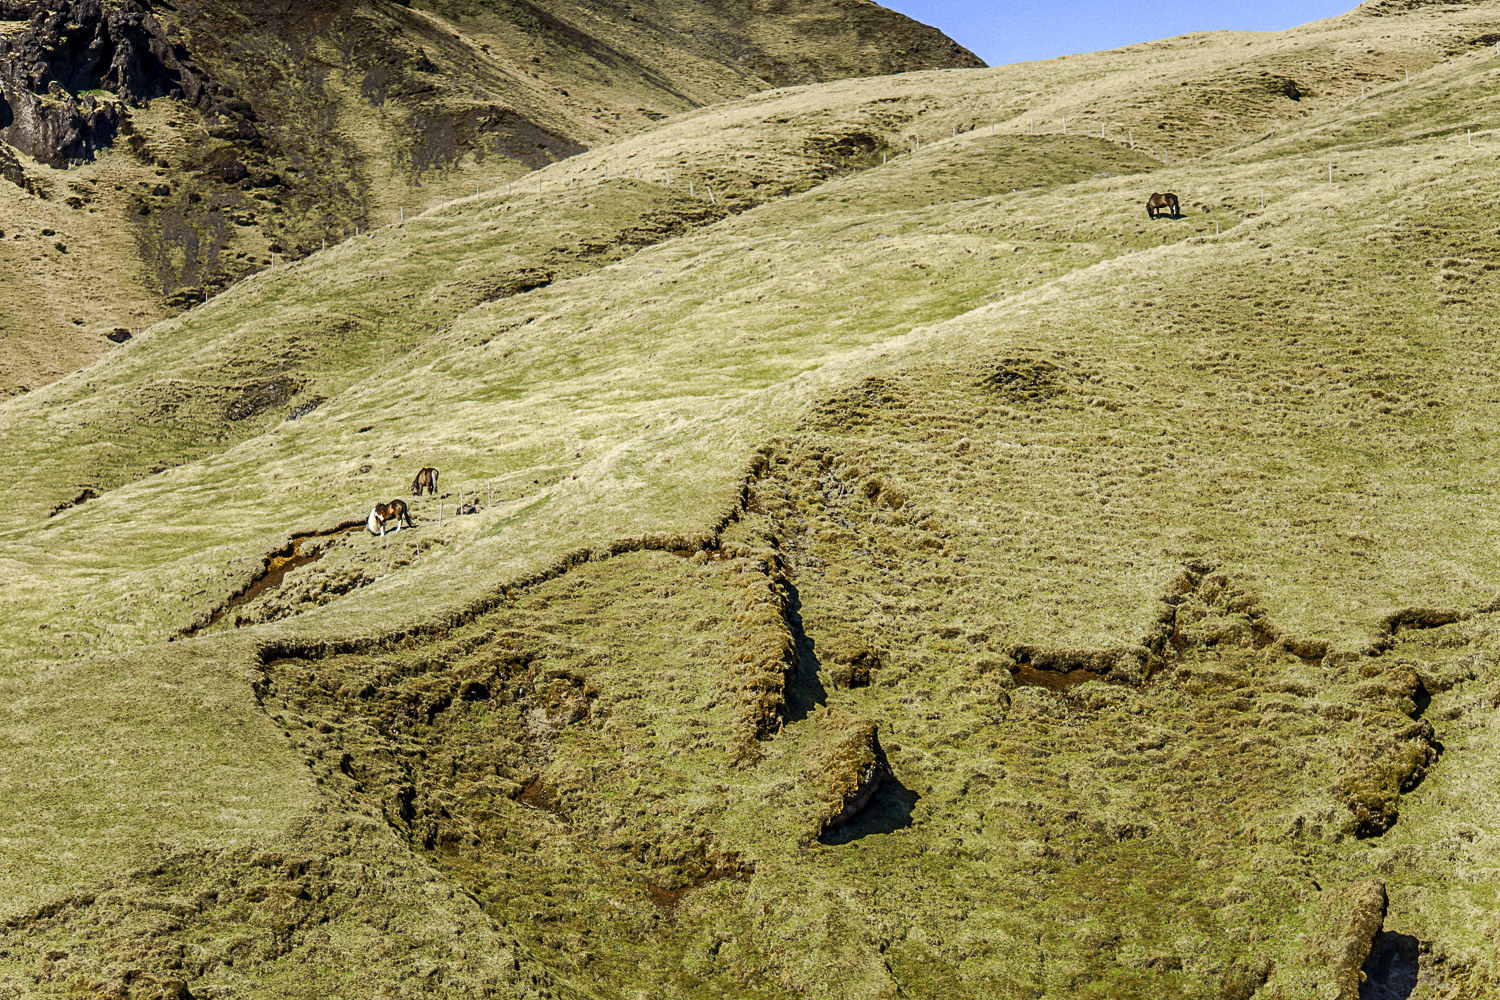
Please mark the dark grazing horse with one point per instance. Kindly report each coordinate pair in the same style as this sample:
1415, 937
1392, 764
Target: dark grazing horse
426, 480
1159, 203
383, 512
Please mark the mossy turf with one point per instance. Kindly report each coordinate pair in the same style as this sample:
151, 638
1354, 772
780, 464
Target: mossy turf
1139, 572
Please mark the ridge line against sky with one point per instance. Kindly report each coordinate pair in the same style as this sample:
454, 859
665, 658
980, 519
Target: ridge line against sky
1001, 33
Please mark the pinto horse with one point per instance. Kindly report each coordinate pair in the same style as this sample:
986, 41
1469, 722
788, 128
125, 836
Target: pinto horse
426, 480
1159, 203
383, 512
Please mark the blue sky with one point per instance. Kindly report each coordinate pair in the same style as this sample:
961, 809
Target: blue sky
1007, 32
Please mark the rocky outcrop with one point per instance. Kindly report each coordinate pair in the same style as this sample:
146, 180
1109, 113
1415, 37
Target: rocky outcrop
10, 170
67, 79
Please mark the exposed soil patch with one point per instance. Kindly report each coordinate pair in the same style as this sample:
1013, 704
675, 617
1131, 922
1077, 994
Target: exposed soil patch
84, 495
539, 795
1053, 680
718, 870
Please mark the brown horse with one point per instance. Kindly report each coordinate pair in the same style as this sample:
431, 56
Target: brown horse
1159, 203
383, 512
426, 480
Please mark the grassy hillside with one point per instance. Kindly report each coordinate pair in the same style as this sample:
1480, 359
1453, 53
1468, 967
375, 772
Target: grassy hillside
904, 572
212, 139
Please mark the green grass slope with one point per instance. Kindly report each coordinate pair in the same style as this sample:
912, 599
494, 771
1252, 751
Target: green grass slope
933, 578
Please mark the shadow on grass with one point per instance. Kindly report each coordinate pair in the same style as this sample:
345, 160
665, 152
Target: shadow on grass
804, 691
889, 810
1391, 969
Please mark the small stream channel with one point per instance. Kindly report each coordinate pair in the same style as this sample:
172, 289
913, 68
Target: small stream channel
277, 565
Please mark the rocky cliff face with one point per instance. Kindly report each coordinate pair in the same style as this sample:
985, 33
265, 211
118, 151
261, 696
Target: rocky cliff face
71, 69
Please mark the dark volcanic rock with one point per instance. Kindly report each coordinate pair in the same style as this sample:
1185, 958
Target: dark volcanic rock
71, 49
10, 170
